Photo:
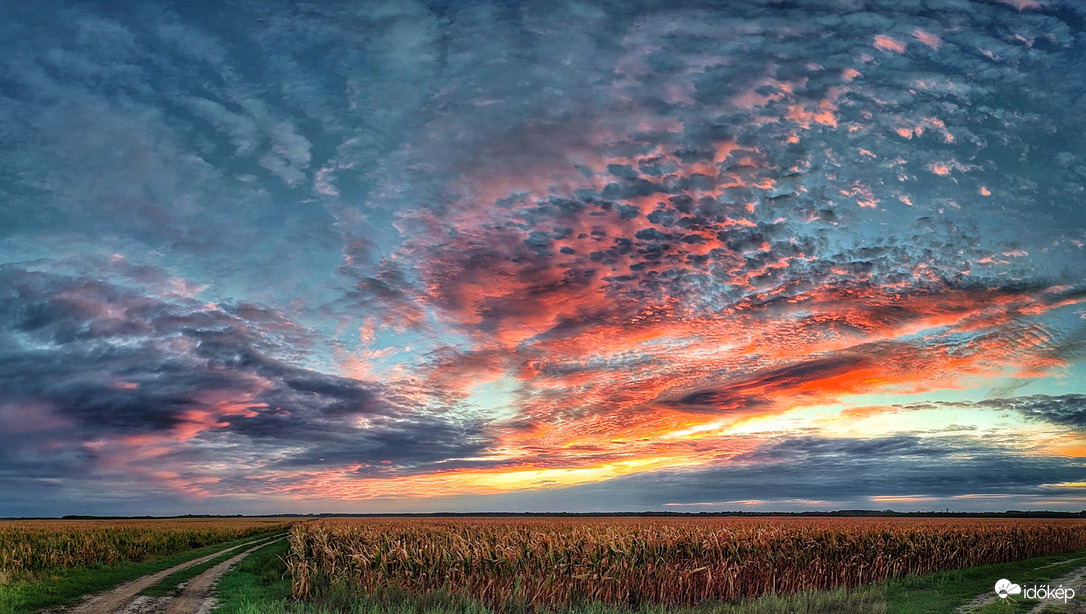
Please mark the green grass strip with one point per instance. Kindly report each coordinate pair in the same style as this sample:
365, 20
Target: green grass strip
946, 591
170, 583
259, 585
64, 587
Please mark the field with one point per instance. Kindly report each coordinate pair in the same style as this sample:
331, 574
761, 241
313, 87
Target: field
546, 564
606, 565
30, 548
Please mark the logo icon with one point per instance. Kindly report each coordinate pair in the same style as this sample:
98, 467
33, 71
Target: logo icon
1005, 588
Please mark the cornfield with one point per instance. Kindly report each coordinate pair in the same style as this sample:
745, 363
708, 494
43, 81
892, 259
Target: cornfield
552, 563
43, 545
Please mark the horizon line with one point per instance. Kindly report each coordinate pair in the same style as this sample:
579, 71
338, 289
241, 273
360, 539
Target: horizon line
859, 512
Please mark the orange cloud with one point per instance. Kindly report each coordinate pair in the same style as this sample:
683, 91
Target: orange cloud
888, 43
927, 38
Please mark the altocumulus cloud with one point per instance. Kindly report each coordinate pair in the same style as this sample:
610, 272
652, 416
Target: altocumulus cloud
645, 253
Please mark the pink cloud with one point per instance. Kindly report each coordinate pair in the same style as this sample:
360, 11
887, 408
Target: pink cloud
888, 43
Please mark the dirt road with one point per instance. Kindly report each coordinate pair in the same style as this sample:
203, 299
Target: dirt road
126, 598
197, 593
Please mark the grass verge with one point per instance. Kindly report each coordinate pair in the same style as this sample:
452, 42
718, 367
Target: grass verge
946, 591
259, 585
64, 587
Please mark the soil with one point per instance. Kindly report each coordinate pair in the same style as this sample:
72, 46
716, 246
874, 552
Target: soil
193, 597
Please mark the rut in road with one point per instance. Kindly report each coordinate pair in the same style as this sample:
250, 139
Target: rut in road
198, 590
119, 597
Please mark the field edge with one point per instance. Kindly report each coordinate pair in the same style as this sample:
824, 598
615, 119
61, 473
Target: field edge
65, 587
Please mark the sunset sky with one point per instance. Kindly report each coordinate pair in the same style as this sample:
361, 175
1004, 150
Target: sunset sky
267, 256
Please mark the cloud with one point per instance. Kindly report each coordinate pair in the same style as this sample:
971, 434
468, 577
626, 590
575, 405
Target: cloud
840, 473
1067, 409
102, 376
821, 473
580, 241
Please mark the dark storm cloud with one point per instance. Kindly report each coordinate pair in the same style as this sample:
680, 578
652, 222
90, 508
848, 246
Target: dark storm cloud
1060, 409
1067, 409
837, 473
83, 360
901, 465
751, 392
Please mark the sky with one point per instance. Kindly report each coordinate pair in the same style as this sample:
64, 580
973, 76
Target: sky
266, 256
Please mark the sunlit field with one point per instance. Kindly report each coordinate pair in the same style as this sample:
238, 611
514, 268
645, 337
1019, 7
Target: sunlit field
543, 564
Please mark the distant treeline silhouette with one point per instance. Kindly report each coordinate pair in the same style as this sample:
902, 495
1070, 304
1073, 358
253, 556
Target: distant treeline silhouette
647, 514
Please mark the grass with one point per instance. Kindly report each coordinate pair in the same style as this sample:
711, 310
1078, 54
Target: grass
170, 583
64, 587
943, 592
259, 585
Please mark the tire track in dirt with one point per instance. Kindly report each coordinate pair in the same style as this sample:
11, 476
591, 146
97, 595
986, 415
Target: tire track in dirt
118, 598
197, 592
1074, 580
